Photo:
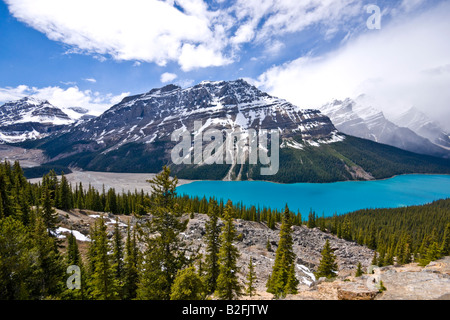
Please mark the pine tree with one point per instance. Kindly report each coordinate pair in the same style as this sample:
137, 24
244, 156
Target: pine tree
130, 269
166, 252
327, 266
73, 252
228, 286
282, 281
251, 277
212, 237
48, 212
73, 258
374, 259
268, 246
65, 194
311, 220
16, 257
117, 255
188, 285
103, 282
49, 268
445, 246
359, 271
433, 252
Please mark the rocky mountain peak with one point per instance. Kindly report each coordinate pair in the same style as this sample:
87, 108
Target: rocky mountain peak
30, 118
222, 105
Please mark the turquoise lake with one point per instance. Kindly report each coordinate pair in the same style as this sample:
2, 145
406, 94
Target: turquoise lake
327, 198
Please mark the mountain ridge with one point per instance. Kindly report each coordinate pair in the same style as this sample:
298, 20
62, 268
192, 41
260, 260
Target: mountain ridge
364, 121
135, 135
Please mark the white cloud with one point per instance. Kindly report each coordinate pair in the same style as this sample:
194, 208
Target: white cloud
168, 77
95, 102
402, 65
185, 83
144, 30
157, 31
91, 80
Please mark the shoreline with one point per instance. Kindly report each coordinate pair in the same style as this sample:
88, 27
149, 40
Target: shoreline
138, 179
383, 179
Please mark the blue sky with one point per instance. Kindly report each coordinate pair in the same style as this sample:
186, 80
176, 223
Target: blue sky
93, 53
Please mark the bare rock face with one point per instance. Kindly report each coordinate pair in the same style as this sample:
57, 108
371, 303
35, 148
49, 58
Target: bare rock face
308, 244
356, 291
412, 282
409, 282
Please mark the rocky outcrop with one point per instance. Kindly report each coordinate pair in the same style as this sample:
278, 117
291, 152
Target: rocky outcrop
412, 282
356, 291
308, 244
409, 282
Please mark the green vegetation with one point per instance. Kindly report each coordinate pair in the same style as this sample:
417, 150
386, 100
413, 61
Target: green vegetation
401, 235
282, 281
152, 261
228, 286
325, 163
328, 267
165, 252
251, 277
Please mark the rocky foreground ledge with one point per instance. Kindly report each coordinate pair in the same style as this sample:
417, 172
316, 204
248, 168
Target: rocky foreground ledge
408, 282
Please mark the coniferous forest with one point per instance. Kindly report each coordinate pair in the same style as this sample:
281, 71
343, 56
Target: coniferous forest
152, 262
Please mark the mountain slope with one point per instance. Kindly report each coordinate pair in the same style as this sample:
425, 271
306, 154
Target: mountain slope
363, 121
30, 118
135, 136
421, 124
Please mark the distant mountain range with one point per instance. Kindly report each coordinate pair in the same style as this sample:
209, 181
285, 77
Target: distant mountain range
421, 124
413, 131
30, 118
135, 136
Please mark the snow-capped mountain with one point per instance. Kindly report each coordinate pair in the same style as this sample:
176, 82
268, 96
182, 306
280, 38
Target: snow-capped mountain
155, 115
30, 118
136, 134
421, 124
364, 121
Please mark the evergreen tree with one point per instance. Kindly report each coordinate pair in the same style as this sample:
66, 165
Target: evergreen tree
130, 271
433, 252
117, 255
311, 220
166, 252
73, 258
16, 257
268, 246
445, 246
49, 214
327, 266
188, 285
359, 271
282, 281
212, 237
228, 286
49, 267
251, 277
374, 259
65, 194
103, 282
73, 252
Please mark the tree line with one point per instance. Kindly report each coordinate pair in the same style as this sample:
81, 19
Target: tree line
156, 262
